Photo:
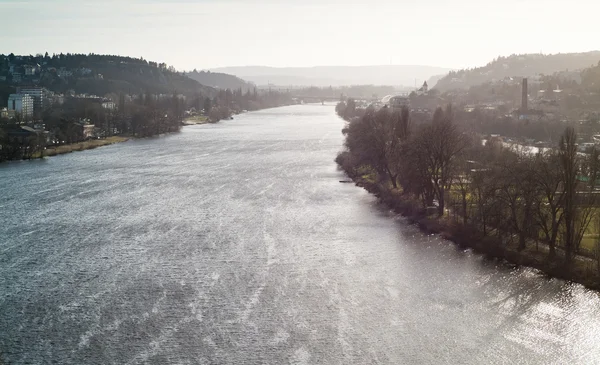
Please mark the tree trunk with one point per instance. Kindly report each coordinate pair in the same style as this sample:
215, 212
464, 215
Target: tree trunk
522, 240
464, 206
441, 203
552, 243
392, 177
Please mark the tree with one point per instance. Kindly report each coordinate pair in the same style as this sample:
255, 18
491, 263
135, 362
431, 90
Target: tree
518, 192
462, 183
577, 214
569, 164
350, 109
441, 143
207, 106
549, 212
484, 187
376, 140
596, 249
197, 101
392, 129
586, 199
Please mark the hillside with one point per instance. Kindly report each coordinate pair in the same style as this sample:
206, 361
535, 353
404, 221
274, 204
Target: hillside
394, 75
219, 80
97, 74
591, 78
525, 65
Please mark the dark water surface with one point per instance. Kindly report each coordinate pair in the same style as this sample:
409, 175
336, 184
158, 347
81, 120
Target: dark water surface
235, 243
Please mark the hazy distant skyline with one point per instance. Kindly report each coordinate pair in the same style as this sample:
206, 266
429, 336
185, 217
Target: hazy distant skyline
206, 34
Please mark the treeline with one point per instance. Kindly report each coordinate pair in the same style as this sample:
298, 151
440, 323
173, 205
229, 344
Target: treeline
74, 60
219, 80
228, 102
353, 91
534, 205
79, 119
239, 100
105, 74
142, 115
499, 121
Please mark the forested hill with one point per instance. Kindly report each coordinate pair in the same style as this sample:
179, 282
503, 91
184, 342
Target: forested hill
524, 65
99, 75
220, 80
590, 78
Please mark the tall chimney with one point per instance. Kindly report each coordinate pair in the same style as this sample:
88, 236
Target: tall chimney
524, 96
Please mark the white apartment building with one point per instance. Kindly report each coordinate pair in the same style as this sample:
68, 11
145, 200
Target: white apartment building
38, 94
22, 104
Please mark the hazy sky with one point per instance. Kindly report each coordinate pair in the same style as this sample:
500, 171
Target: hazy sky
210, 33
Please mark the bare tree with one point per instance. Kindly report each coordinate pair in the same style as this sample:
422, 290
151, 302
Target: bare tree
596, 250
377, 139
483, 192
578, 205
570, 167
586, 197
549, 213
416, 175
441, 143
518, 191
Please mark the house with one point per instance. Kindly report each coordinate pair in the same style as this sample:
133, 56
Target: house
84, 71
22, 134
110, 105
16, 77
398, 102
5, 114
84, 129
29, 70
64, 73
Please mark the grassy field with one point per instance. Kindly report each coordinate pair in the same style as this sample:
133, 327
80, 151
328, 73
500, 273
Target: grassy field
588, 242
198, 119
81, 146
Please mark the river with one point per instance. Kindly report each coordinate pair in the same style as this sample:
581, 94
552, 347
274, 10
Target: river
235, 243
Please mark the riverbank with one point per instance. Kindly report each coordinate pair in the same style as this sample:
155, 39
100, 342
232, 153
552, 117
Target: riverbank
583, 269
82, 146
195, 120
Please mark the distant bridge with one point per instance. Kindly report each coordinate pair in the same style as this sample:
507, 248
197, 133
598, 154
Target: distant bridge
316, 99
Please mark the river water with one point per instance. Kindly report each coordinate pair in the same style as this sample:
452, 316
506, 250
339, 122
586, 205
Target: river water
235, 243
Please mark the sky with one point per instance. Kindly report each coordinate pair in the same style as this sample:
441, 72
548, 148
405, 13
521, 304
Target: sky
205, 34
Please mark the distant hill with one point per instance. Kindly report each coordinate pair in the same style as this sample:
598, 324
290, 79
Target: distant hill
393, 75
219, 80
433, 80
525, 65
99, 75
591, 78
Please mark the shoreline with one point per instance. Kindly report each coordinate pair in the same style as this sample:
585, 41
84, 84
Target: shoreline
95, 143
195, 120
82, 146
491, 247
